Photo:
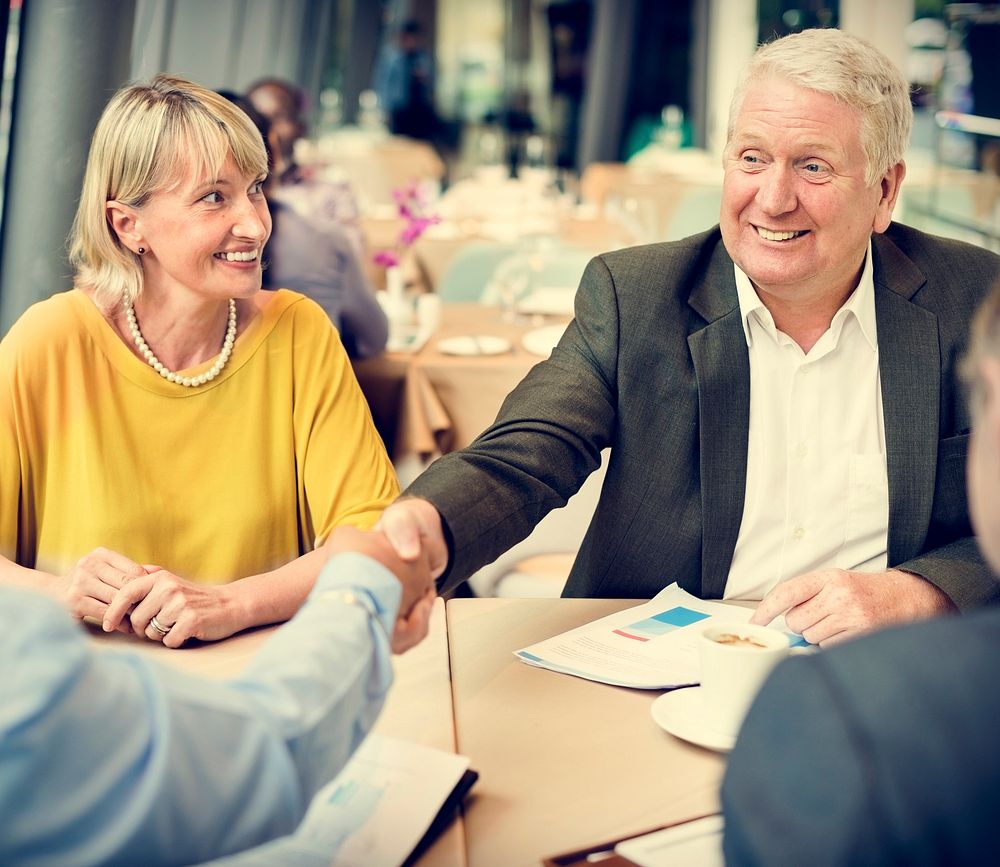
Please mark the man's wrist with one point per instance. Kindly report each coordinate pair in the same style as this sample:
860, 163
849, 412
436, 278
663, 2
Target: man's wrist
366, 578
350, 597
930, 600
357, 599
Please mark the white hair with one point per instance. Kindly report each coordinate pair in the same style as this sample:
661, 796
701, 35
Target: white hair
853, 72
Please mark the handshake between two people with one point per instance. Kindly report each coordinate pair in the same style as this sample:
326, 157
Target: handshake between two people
414, 574
826, 606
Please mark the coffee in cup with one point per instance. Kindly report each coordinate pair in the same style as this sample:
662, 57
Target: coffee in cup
735, 660
739, 640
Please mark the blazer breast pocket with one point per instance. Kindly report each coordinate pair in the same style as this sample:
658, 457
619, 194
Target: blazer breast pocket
950, 511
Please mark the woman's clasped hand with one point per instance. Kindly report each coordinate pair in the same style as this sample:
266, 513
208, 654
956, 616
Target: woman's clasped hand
94, 583
150, 601
165, 607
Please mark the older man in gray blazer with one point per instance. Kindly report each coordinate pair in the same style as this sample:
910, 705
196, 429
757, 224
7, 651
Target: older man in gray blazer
779, 393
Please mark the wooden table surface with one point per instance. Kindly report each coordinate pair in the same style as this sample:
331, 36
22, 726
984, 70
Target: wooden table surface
563, 762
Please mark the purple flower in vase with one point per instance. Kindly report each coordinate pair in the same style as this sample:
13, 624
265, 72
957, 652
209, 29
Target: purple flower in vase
415, 228
386, 259
409, 194
410, 203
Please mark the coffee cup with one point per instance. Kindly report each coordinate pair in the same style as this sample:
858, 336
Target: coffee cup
735, 660
428, 312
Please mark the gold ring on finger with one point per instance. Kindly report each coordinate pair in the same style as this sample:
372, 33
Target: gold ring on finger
159, 627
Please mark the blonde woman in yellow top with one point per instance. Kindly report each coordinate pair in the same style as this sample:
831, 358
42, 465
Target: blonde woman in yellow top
165, 427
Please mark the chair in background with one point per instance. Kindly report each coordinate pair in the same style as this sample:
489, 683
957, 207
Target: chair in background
591, 230
547, 275
377, 168
599, 180
562, 267
697, 210
471, 269
539, 565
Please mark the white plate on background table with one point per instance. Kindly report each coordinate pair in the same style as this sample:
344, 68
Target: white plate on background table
542, 341
681, 712
548, 301
474, 344
407, 338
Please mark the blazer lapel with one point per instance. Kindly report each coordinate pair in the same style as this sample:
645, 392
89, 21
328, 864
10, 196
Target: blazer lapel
910, 370
722, 367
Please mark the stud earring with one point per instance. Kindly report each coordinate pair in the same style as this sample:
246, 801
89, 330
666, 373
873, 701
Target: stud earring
142, 250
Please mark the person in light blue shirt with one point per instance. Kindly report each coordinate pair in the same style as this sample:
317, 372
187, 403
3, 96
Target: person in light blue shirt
108, 758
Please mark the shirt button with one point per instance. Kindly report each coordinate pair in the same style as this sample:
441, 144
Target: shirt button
798, 532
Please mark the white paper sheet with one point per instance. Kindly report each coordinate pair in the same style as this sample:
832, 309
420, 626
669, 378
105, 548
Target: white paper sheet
651, 646
380, 805
373, 813
693, 844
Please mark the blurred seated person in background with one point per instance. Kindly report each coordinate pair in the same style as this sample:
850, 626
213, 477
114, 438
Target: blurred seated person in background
319, 262
884, 751
110, 758
404, 82
324, 265
165, 427
322, 202
779, 393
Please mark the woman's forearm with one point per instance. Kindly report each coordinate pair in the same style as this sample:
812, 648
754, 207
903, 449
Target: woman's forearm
273, 597
14, 575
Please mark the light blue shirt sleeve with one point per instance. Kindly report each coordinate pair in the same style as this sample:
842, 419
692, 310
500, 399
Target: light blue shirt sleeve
107, 758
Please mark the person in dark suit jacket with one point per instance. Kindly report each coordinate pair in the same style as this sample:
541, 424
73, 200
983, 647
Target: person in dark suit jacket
884, 751
676, 359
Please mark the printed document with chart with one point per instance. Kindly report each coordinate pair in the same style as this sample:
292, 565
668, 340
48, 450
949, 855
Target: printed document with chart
651, 646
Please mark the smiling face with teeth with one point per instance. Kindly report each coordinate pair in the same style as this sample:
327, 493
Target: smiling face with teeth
796, 212
205, 235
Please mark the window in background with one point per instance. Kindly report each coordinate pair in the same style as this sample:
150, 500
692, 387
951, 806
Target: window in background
508, 75
334, 106
471, 79
10, 22
494, 83
953, 177
569, 39
659, 89
780, 17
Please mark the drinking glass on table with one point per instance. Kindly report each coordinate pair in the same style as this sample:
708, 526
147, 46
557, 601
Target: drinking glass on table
512, 282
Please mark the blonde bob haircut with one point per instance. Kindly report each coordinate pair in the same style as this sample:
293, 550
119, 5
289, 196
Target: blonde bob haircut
151, 137
850, 70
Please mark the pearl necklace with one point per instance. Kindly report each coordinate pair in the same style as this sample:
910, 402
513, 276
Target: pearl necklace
169, 375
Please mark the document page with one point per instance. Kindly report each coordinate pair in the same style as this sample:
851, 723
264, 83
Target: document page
375, 812
651, 646
692, 844
378, 807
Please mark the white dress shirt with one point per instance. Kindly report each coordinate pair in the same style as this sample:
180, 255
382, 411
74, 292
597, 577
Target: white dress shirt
817, 494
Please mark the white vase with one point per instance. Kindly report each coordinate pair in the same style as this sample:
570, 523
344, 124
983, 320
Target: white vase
394, 284
397, 307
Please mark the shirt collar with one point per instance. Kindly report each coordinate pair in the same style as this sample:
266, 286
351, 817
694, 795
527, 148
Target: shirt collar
861, 304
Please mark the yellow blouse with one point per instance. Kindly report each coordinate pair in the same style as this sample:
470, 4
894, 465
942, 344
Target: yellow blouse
215, 483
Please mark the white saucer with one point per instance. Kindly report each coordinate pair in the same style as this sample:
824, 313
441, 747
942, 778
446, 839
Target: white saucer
542, 341
681, 713
474, 344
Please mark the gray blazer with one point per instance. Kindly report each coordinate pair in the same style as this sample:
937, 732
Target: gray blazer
879, 752
655, 365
